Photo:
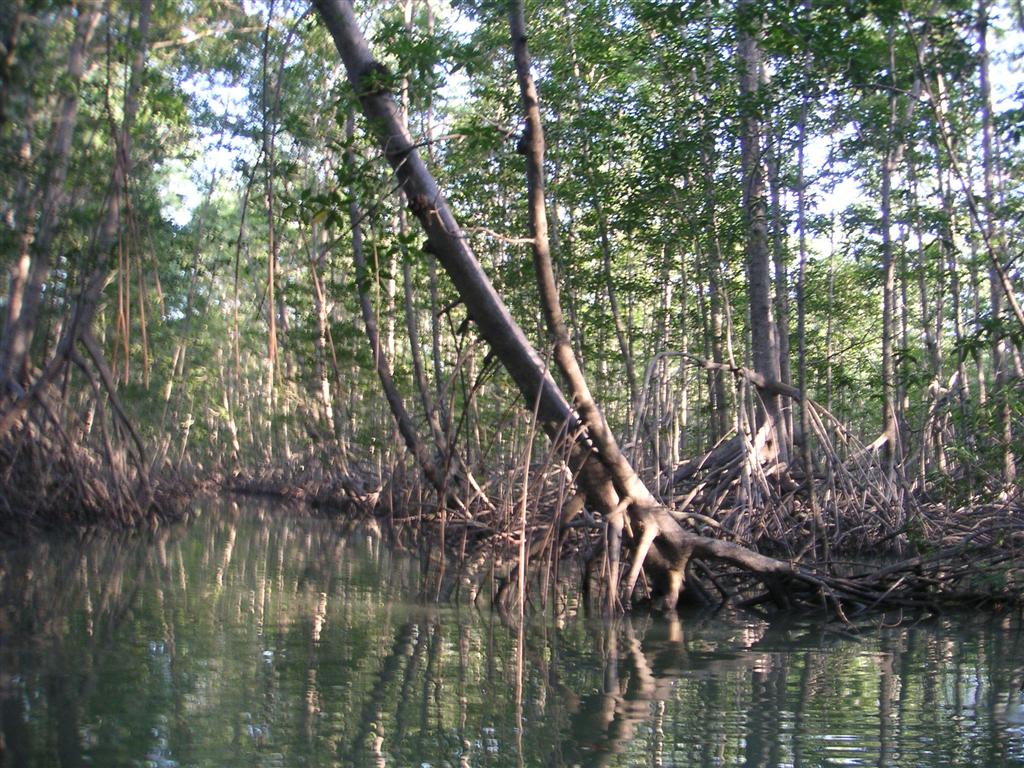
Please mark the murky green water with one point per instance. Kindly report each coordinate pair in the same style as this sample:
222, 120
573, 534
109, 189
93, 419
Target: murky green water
254, 638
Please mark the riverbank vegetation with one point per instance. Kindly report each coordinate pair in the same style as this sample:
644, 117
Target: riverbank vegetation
668, 290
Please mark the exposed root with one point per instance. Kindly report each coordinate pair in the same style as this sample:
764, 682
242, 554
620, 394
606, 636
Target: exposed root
85, 469
965, 557
50, 479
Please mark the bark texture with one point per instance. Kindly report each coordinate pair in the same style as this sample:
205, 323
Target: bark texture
764, 334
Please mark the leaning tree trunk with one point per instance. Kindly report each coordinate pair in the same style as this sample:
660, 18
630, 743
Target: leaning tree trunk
406, 428
132, 500
33, 267
610, 484
110, 229
590, 414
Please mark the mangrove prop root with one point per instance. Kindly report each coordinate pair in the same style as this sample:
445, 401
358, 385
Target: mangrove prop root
978, 560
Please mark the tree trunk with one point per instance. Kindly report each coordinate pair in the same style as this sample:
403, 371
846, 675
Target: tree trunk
33, 267
713, 264
821, 535
890, 424
993, 234
609, 481
931, 327
892, 406
950, 251
621, 333
763, 333
411, 311
430, 466
271, 303
318, 252
110, 229
781, 283
533, 148
435, 324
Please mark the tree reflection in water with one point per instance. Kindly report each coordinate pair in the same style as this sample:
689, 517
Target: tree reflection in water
258, 637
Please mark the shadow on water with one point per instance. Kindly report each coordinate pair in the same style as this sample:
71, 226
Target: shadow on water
256, 637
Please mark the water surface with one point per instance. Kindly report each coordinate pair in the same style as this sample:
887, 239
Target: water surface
255, 637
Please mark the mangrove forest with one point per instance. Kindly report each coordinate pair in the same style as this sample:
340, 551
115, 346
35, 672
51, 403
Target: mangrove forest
662, 304
510, 382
